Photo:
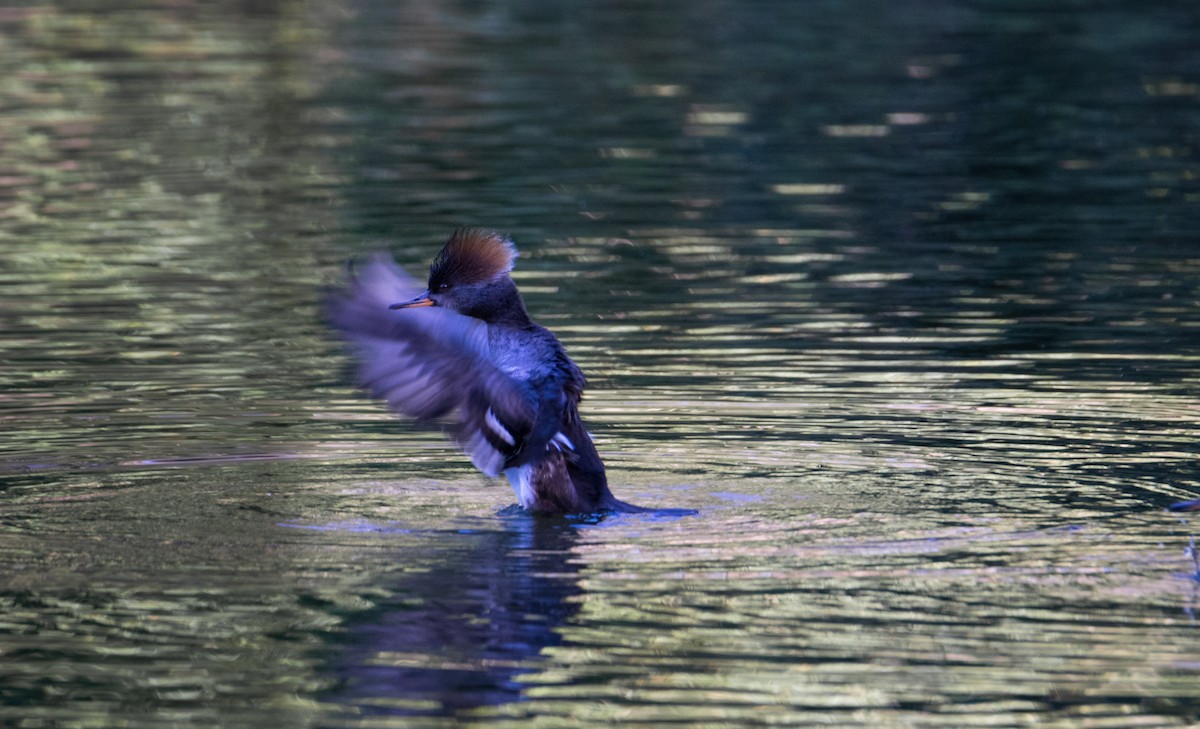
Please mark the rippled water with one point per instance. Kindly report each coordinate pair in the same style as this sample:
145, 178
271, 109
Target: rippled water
903, 299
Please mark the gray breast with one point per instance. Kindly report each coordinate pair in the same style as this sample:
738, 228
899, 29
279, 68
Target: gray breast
522, 354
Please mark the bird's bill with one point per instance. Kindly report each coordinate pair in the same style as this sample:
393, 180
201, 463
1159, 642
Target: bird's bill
422, 300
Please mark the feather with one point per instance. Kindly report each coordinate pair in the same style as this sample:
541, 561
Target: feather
432, 364
472, 256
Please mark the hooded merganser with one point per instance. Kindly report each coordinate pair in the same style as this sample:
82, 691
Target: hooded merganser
474, 356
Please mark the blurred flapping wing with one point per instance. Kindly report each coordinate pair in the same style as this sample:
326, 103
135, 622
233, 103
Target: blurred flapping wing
429, 363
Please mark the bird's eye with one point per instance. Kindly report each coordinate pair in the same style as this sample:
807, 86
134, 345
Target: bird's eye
443, 287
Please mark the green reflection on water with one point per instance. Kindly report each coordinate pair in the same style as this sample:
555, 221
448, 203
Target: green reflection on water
157, 304
909, 319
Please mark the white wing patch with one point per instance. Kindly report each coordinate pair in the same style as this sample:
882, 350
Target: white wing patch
483, 455
560, 441
498, 428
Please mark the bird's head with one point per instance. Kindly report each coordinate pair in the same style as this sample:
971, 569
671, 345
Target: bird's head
470, 276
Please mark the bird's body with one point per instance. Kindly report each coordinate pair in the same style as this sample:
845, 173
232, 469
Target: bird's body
466, 351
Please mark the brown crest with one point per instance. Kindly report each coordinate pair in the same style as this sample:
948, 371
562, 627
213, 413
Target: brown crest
472, 256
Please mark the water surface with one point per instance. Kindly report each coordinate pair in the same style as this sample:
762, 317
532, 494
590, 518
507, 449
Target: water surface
902, 300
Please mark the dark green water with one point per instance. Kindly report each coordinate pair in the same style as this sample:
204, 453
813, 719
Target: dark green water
903, 298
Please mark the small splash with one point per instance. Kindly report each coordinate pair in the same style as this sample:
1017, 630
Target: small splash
597, 518
1190, 505
612, 518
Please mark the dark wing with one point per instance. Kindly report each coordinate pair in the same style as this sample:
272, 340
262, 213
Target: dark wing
429, 363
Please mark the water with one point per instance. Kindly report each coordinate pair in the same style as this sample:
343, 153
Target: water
902, 299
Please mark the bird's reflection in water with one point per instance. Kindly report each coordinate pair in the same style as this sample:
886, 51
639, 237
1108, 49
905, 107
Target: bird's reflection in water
459, 635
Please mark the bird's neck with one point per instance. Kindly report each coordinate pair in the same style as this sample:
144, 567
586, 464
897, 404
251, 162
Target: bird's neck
508, 309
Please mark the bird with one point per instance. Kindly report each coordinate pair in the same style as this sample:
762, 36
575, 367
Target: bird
464, 351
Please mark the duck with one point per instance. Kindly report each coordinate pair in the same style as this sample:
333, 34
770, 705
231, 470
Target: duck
464, 351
